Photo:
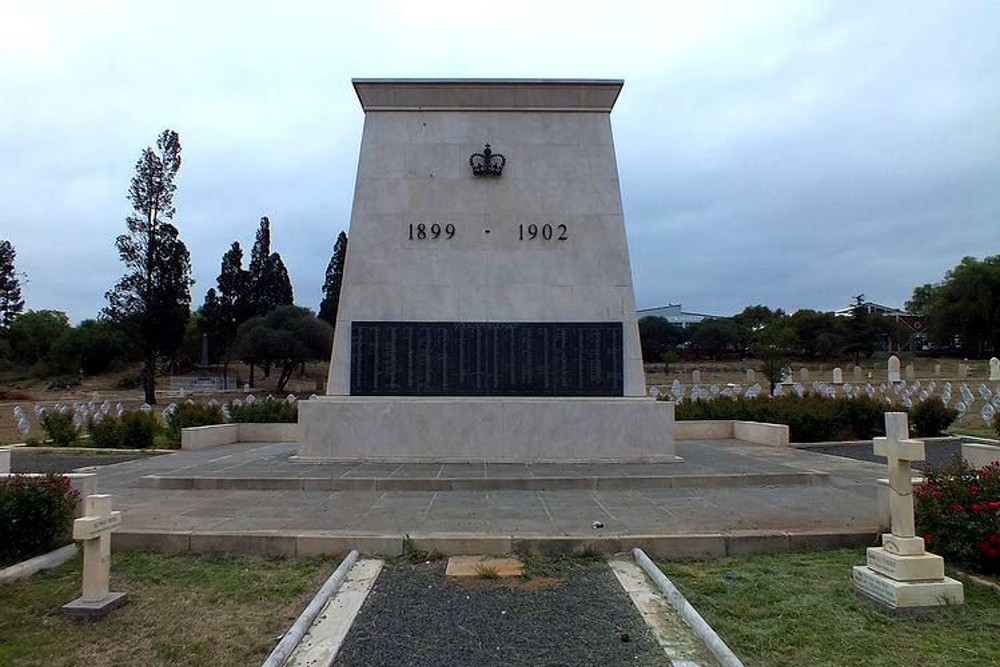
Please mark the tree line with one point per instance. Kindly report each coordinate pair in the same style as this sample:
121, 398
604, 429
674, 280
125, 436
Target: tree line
249, 316
961, 314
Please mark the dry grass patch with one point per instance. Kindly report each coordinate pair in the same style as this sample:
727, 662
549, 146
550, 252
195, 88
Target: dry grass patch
182, 610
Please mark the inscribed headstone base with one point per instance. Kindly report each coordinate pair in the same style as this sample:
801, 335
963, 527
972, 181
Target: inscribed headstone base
901, 595
486, 429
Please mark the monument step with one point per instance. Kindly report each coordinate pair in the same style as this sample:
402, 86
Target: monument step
525, 482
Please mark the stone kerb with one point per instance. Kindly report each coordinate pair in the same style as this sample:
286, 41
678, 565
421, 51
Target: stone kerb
215, 435
761, 433
978, 454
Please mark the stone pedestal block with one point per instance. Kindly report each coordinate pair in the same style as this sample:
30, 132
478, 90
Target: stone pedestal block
903, 595
509, 429
918, 567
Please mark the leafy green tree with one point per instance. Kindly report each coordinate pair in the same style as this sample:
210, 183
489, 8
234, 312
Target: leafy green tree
269, 285
287, 336
11, 303
334, 278
964, 308
715, 337
863, 331
752, 321
32, 335
152, 301
920, 302
657, 336
92, 347
817, 334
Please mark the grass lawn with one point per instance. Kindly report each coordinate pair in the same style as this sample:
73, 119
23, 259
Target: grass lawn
182, 610
801, 609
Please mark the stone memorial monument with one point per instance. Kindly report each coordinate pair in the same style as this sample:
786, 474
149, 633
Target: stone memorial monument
486, 312
838, 376
94, 529
901, 574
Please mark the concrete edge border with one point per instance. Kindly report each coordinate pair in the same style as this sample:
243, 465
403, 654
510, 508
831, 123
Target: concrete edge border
302, 544
712, 641
290, 640
43, 562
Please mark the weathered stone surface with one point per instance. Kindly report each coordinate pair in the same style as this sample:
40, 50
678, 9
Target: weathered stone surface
900, 595
918, 567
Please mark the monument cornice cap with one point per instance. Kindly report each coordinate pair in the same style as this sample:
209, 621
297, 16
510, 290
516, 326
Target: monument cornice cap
593, 95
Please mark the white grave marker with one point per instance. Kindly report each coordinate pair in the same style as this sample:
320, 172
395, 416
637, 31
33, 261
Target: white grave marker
4, 461
994, 370
94, 529
893, 369
900, 574
838, 376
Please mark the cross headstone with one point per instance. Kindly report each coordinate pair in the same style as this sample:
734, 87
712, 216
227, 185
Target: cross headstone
994, 370
892, 367
838, 376
901, 574
94, 528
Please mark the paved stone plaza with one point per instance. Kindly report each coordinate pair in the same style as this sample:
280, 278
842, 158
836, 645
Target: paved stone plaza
726, 496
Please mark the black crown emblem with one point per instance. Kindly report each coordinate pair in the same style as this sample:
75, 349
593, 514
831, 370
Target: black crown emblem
487, 163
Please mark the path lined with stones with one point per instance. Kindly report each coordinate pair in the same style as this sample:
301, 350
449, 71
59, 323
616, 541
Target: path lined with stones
569, 613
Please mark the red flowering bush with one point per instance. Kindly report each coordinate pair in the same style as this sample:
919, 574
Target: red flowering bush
36, 514
958, 514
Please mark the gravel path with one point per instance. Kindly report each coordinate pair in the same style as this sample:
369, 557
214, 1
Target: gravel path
939, 454
580, 615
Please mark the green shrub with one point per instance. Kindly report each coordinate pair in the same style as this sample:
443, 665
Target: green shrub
137, 429
957, 510
189, 415
931, 417
810, 418
103, 433
129, 382
59, 427
269, 410
35, 515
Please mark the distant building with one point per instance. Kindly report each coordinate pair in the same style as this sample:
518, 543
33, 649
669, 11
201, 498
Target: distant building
914, 323
673, 313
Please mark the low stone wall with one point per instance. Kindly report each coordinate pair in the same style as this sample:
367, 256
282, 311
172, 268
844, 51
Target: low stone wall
774, 435
979, 454
203, 437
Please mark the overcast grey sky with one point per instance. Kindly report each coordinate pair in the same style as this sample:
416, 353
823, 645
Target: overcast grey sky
786, 153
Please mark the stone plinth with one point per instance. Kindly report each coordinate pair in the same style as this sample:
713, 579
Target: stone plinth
445, 429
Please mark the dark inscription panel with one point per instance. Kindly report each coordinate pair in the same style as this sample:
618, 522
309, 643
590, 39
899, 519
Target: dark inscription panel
486, 359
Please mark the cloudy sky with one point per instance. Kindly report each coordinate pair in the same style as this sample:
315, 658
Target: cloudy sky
786, 153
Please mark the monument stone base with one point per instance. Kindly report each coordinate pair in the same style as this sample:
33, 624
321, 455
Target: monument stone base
902, 595
486, 429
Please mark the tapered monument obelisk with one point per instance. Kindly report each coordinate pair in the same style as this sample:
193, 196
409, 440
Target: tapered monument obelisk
487, 311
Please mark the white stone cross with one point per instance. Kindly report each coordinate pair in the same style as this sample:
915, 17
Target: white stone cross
94, 528
900, 450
